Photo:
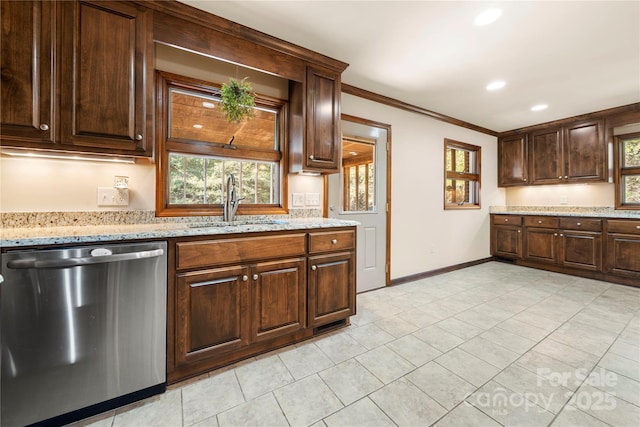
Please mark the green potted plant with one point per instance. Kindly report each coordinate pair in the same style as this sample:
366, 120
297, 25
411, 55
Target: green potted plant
238, 100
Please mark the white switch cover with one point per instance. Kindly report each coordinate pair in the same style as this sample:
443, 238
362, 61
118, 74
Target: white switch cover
564, 199
109, 196
312, 199
297, 199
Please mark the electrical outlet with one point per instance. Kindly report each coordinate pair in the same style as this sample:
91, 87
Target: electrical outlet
564, 200
109, 196
297, 199
312, 199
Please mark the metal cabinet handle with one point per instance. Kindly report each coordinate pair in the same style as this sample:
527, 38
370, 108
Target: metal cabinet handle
139, 137
561, 235
524, 179
44, 126
560, 177
539, 222
255, 277
637, 227
334, 241
314, 268
565, 177
518, 231
74, 262
555, 234
506, 220
311, 157
578, 223
245, 278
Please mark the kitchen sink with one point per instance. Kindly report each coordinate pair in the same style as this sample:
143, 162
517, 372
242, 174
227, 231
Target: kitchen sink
247, 223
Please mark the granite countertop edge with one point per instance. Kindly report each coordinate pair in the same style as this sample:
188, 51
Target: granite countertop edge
596, 212
39, 236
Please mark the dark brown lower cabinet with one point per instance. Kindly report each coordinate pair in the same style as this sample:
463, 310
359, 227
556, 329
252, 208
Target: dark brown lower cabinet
506, 236
329, 297
279, 297
235, 296
574, 245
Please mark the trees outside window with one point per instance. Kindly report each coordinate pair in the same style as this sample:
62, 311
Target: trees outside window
627, 171
462, 175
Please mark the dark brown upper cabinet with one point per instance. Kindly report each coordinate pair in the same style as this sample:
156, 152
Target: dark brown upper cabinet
99, 53
545, 154
314, 122
513, 155
568, 153
26, 108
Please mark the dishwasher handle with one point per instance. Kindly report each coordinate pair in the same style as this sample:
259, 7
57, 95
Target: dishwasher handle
74, 262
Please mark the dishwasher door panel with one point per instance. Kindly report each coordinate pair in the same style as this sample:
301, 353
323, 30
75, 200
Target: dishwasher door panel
80, 335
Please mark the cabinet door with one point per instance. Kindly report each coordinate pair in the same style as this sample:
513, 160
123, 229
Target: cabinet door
623, 255
585, 152
26, 44
545, 157
581, 250
212, 313
323, 141
331, 284
103, 81
541, 245
278, 294
506, 241
512, 161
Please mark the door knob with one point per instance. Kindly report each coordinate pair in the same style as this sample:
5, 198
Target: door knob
311, 157
44, 126
245, 278
255, 277
314, 268
139, 137
334, 241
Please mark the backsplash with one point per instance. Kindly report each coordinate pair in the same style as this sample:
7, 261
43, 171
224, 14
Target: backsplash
87, 218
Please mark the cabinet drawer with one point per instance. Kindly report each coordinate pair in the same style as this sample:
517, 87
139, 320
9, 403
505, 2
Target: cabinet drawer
242, 250
623, 226
331, 241
581, 224
507, 219
541, 221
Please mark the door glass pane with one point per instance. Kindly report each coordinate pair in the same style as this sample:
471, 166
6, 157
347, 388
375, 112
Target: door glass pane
631, 153
358, 172
631, 189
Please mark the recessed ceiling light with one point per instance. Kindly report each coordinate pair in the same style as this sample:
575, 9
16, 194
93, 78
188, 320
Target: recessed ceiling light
498, 84
539, 107
208, 104
197, 126
487, 17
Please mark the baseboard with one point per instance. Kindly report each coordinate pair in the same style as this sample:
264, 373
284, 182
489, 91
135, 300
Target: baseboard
425, 274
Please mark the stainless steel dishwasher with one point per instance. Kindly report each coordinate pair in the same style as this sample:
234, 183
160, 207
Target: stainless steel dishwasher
83, 330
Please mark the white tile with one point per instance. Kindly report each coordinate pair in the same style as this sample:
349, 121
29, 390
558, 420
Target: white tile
262, 411
350, 381
363, 413
370, 335
263, 376
438, 338
307, 401
440, 384
208, 397
340, 347
490, 352
305, 360
165, 409
414, 350
466, 415
406, 405
467, 366
385, 364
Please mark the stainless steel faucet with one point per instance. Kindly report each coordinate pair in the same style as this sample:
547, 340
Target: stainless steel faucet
231, 201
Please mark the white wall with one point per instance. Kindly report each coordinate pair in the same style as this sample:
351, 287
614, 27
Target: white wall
424, 236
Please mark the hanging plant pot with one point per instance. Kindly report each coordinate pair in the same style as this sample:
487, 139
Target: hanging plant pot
238, 100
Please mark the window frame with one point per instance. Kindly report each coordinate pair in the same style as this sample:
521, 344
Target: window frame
620, 172
166, 145
475, 178
346, 165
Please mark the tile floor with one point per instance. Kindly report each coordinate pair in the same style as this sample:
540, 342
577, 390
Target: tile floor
490, 345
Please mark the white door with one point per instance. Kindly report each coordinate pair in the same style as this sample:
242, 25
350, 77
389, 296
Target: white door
359, 193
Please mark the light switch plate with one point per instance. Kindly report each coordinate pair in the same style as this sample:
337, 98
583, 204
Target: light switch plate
312, 199
109, 196
297, 199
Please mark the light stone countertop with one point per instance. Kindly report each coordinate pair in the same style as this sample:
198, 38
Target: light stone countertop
598, 212
38, 236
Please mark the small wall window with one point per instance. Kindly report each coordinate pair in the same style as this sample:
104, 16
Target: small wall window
462, 175
627, 171
199, 148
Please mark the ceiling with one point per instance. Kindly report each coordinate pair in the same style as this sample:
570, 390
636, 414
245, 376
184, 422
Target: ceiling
575, 56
